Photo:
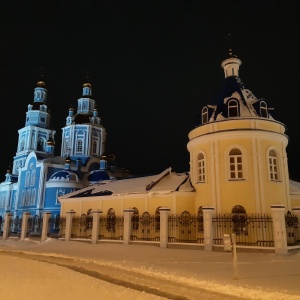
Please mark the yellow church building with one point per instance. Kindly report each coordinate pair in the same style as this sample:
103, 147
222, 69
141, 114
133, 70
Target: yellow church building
238, 163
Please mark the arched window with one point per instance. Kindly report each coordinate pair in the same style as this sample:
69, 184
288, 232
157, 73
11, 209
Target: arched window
32, 180
263, 109
89, 219
135, 219
239, 219
201, 168
33, 194
40, 144
111, 220
235, 164
22, 144
233, 108
27, 178
23, 198
204, 115
273, 166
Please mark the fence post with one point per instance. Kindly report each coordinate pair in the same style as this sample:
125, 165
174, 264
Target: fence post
45, 228
127, 225
296, 212
95, 230
279, 229
164, 226
208, 227
24, 230
69, 218
6, 228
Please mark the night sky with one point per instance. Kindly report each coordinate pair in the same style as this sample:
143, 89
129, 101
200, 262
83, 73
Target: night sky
153, 65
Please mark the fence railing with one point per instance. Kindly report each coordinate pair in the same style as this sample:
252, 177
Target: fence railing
185, 228
145, 228
251, 230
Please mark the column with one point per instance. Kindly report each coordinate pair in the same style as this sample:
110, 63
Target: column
95, 230
45, 228
279, 229
7, 224
127, 225
69, 218
208, 227
25, 218
164, 233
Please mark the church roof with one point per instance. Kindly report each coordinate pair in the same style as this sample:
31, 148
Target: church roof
98, 175
165, 182
234, 100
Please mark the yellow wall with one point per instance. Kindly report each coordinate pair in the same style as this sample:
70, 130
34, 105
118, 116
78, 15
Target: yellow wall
256, 192
176, 201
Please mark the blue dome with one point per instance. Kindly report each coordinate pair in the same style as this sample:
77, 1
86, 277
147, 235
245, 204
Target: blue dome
64, 176
98, 175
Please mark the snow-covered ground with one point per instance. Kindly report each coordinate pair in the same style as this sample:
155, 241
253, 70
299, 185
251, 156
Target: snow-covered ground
260, 276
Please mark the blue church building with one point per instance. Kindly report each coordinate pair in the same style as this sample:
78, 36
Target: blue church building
38, 177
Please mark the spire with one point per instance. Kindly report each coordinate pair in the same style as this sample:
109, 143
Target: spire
87, 87
40, 92
231, 65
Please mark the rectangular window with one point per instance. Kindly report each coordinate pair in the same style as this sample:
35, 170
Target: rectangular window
236, 167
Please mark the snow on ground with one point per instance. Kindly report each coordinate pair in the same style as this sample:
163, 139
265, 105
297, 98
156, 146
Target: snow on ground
261, 276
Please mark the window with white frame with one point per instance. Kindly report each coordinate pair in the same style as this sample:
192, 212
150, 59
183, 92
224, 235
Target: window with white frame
32, 181
273, 166
235, 164
201, 168
23, 197
32, 200
204, 115
233, 108
27, 178
79, 146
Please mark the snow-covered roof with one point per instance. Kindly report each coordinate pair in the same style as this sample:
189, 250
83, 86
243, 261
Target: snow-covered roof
234, 88
294, 187
165, 182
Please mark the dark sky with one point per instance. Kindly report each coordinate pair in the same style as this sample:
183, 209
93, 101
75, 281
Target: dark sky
153, 65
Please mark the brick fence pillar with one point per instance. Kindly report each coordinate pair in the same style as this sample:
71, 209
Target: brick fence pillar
164, 226
279, 229
24, 230
69, 218
208, 227
6, 228
127, 225
95, 230
45, 228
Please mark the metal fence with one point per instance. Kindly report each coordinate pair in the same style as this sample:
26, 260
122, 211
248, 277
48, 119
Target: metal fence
111, 227
185, 228
250, 230
145, 227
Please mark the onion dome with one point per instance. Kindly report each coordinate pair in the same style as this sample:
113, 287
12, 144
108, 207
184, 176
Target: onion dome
98, 175
68, 160
41, 83
50, 141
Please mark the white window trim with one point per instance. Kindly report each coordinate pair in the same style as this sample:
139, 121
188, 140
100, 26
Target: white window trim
204, 167
271, 166
244, 163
